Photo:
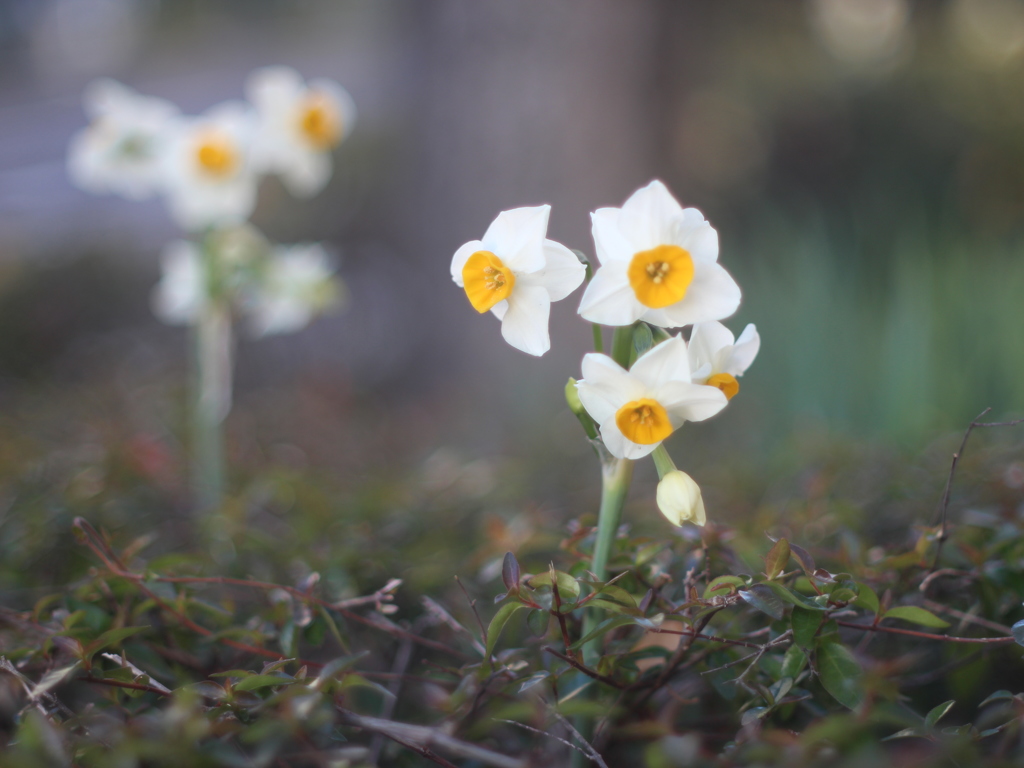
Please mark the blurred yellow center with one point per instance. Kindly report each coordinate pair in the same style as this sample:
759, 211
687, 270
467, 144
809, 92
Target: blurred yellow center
319, 121
487, 280
726, 383
643, 421
216, 154
660, 276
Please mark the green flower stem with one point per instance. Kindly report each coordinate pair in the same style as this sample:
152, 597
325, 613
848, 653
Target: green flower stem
212, 383
212, 400
622, 345
663, 461
598, 338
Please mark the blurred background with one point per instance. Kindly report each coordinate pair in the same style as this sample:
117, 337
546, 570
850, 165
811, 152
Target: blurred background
862, 161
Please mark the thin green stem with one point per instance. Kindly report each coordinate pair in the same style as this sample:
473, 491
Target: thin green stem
622, 345
212, 400
663, 461
598, 338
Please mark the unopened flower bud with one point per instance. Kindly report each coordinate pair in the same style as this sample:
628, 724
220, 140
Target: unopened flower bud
679, 499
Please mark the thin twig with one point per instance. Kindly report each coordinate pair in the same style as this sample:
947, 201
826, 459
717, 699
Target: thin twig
927, 635
588, 749
586, 670
944, 503
539, 732
472, 605
421, 736
968, 617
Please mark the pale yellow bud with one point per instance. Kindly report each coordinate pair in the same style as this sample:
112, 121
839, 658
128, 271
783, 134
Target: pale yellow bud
679, 499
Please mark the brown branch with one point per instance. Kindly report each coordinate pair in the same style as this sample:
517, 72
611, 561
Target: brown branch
586, 670
926, 635
425, 737
969, 618
122, 684
944, 503
91, 538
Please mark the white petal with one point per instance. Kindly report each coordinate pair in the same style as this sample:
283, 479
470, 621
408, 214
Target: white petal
743, 353
650, 217
342, 100
461, 257
679, 499
517, 238
562, 274
701, 241
663, 363
610, 243
499, 309
620, 447
609, 299
525, 325
307, 173
273, 88
690, 402
606, 387
706, 342
713, 295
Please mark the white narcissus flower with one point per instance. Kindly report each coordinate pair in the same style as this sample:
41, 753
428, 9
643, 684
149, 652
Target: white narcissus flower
209, 174
298, 125
515, 272
181, 293
679, 499
639, 408
297, 283
717, 358
659, 264
121, 150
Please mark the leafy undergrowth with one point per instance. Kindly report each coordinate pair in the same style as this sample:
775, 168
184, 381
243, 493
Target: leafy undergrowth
833, 641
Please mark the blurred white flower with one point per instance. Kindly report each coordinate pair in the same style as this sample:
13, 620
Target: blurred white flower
181, 293
299, 124
122, 149
210, 179
679, 499
515, 272
639, 408
659, 264
717, 358
298, 282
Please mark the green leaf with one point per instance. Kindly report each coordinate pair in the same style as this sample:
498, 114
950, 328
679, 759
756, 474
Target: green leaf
804, 558
618, 594
535, 679
608, 605
604, 627
785, 593
997, 696
721, 584
840, 674
805, 626
261, 681
568, 587
776, 559
510, 572
109, 638
866, 598
498, 624
793, 662
916, 615
333, 627
762, 597
937, 713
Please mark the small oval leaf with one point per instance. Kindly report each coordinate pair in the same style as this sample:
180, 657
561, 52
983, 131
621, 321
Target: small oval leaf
916, 615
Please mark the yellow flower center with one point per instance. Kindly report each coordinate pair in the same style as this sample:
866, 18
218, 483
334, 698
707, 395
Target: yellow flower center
643, 421
319, 121
487, 280
216, 154
726, 383
660, 276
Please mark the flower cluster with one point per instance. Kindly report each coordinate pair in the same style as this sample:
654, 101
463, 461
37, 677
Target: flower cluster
658, 267
207, 168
